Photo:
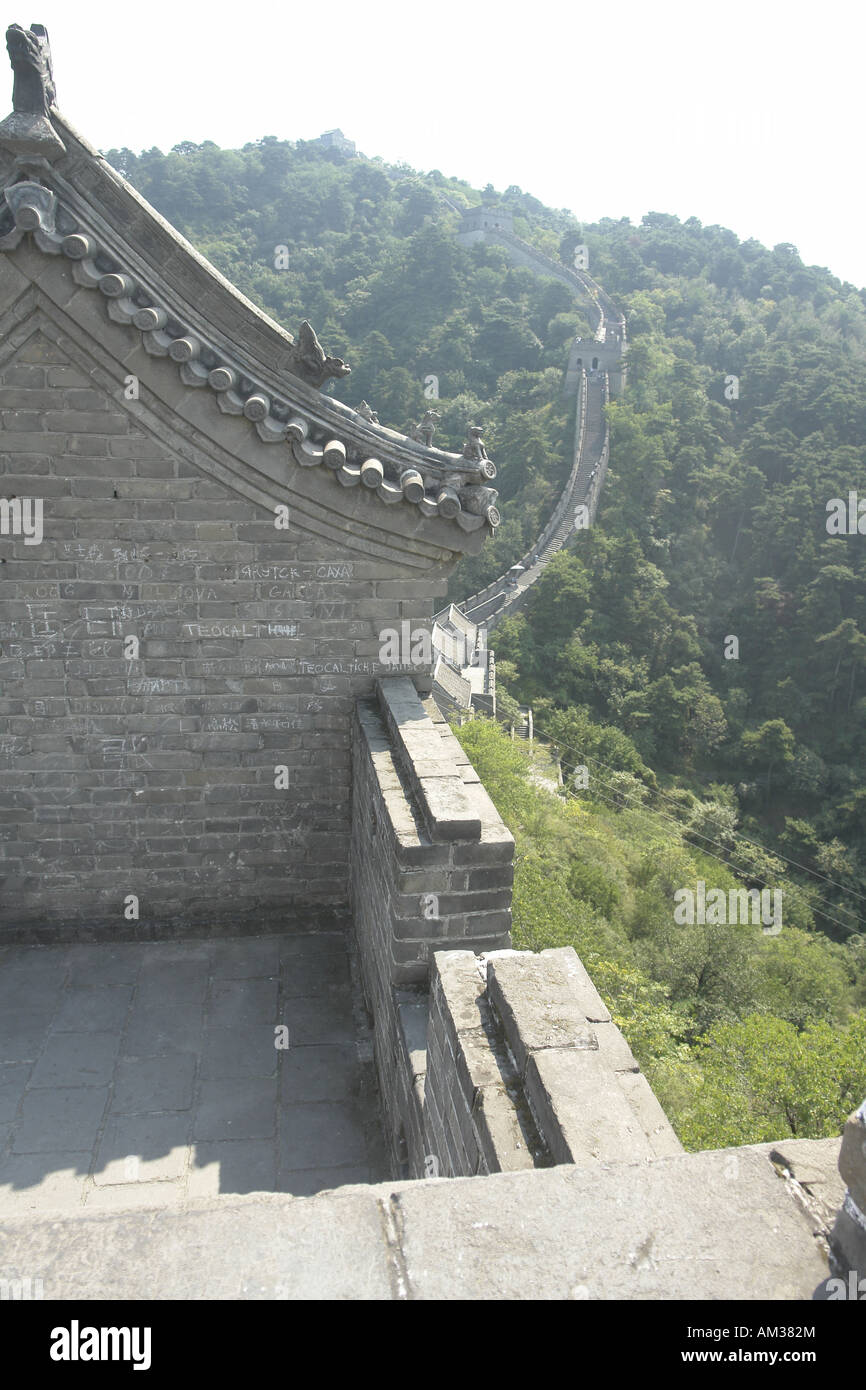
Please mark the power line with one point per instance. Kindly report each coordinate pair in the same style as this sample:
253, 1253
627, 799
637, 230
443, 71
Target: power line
611, 800
825, 916
736, 834
709, 840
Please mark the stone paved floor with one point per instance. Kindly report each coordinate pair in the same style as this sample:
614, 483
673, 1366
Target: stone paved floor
142, 1074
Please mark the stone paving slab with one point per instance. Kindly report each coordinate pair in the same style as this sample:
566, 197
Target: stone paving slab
318, 1073
322, 1019
693, 1226
142, 1084
67, 1119
232, 1053
93, 1010
140, 1074
238, 1165
309, 976
327, 1134
76, 1059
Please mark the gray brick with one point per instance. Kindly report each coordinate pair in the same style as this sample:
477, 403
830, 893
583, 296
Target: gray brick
23, 374
84, 399
26, 397
86, 421
66, 376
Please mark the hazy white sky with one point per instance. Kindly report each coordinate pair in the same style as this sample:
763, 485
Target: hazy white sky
746, 113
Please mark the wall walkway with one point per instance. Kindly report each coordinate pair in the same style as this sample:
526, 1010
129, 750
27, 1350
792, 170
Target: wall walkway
504, 596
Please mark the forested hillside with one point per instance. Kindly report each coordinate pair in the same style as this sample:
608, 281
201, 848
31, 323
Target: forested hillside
745, 1037
736, 761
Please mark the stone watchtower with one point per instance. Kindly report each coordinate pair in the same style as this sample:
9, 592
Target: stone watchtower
336, 140
593, 356
221, 548
483, 219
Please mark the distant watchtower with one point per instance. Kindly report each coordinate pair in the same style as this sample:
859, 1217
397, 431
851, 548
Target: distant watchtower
591, 355
483, 218
488, 222
336, 140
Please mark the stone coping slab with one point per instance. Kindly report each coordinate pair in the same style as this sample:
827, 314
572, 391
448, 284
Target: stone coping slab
434, 777
693, 1226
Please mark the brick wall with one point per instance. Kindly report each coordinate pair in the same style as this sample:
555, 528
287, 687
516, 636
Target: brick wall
488, 1059
511, 1061
431, 866
154, 776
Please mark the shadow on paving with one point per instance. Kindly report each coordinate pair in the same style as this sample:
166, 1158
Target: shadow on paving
146, 1074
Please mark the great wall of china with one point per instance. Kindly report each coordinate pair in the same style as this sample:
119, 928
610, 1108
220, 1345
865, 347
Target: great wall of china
256, 919
595, 370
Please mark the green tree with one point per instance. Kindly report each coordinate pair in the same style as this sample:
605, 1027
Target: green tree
769, 746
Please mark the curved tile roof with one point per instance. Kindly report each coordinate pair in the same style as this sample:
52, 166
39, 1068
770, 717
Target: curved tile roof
62, 193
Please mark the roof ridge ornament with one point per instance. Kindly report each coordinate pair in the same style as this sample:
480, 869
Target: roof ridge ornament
28, 132
310, 361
